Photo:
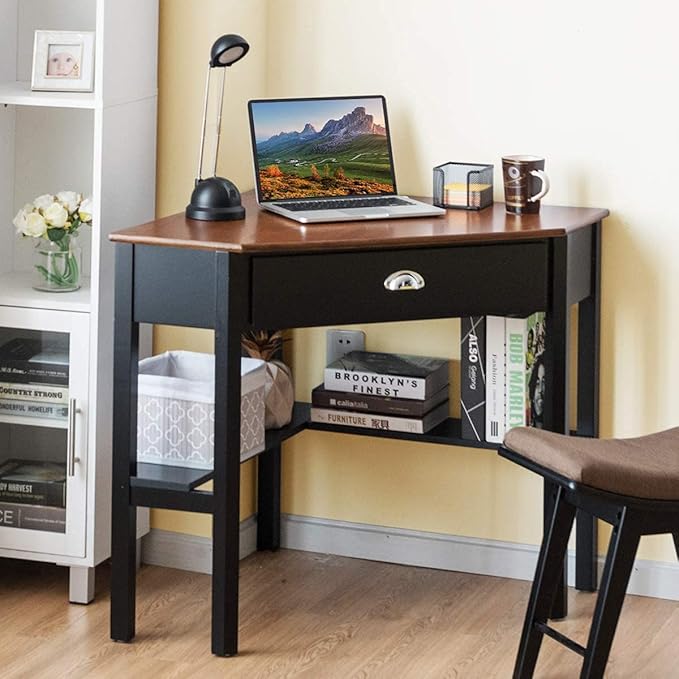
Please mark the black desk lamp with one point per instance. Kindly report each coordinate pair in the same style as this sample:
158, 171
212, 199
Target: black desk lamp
217, 198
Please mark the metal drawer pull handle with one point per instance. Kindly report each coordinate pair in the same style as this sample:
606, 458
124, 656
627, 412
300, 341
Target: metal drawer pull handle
404, 280
73, 410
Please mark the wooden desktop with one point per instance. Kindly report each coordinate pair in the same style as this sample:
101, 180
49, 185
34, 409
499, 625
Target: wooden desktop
266, 271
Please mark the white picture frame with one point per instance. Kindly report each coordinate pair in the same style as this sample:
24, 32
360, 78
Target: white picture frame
63, 61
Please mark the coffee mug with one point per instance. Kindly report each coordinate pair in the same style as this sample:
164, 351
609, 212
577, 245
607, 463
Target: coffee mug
521, 175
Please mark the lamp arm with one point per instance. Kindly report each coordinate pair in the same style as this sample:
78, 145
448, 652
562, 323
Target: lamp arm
219, 121
202, 132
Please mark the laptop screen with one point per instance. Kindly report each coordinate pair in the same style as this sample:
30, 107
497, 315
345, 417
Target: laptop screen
321, 148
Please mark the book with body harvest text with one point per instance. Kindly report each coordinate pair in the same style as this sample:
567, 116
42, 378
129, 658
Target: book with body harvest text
34, 482
410, 425
382, 374
365, 403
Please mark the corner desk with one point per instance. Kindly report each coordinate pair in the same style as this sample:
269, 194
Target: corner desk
269, 272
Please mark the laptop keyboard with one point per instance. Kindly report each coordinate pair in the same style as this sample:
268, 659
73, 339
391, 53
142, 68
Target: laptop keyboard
304, 205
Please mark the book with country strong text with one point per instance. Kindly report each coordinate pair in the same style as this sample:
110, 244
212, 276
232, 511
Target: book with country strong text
392, 375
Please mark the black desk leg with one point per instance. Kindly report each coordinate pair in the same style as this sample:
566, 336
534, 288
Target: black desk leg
588, 410
269, 499
556, 401
124, 515
230, 281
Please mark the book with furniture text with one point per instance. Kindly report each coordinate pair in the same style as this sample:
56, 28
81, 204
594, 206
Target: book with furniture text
382, 374
411, 425
407, 407
33, 482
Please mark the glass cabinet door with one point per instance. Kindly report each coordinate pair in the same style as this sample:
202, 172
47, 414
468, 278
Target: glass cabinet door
43, 448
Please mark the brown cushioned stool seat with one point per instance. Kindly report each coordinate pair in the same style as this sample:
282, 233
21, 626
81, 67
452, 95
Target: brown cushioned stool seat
633, 484
645, 467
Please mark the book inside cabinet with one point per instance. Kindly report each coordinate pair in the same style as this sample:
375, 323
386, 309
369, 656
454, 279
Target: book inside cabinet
43, 451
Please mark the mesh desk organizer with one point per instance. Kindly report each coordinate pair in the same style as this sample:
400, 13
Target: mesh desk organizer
463, 186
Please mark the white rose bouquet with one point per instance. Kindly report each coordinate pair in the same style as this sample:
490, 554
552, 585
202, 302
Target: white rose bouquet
55, 221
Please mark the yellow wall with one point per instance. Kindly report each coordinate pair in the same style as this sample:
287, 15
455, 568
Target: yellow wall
579, 83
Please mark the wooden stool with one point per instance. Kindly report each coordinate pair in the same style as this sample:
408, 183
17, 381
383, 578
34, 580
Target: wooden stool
632, 484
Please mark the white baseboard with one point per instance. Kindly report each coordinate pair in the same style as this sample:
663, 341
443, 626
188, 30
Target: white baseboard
397, 545
192, 552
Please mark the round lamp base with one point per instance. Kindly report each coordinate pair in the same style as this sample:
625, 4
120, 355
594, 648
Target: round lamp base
215, 199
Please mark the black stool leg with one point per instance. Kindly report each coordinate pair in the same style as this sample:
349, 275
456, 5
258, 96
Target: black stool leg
547, 574
619, 561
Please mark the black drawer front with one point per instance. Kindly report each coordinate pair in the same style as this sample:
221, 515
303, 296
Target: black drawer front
323, 289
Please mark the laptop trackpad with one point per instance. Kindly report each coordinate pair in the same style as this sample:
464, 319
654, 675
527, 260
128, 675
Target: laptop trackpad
371, 212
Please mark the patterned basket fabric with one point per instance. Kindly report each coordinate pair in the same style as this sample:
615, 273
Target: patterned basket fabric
180, 432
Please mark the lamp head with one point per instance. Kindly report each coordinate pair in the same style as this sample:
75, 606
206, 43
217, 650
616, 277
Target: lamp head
227, 50
215, 199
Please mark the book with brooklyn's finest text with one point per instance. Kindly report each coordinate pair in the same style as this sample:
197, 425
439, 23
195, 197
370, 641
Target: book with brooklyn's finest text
410, 425
382, 374
407, 407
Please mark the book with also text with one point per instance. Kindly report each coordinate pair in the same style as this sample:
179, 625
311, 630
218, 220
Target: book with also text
410, 425
382, 374
473, 377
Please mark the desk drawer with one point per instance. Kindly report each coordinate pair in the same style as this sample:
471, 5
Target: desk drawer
323, 289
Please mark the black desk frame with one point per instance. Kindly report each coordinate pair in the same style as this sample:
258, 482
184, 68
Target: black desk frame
232, 292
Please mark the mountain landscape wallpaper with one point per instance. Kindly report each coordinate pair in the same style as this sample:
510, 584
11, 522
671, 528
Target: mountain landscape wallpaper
320, 148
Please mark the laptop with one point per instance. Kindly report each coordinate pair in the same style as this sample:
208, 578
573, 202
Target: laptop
327, 160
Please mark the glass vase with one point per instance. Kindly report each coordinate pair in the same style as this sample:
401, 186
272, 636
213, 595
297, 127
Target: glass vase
57, 265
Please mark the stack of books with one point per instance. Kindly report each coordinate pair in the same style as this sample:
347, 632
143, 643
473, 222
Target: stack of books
503, 371
33, 495
34, 378
391, 392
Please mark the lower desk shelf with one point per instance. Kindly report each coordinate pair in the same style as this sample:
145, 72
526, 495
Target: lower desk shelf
175, 487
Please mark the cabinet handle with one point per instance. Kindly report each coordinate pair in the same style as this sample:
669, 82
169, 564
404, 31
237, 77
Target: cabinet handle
404, 280
73, 410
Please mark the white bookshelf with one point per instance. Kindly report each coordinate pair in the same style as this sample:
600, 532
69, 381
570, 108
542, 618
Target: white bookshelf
18, 93
101, 143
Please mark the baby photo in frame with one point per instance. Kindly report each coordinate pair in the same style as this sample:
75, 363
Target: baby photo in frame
63, 61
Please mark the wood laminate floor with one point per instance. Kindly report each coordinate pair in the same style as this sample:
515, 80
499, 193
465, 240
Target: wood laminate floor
313, 616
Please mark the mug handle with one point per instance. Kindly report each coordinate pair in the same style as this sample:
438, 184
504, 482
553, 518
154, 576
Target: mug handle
545, 185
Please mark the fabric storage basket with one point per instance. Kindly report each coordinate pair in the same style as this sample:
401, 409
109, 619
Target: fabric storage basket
176, 413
